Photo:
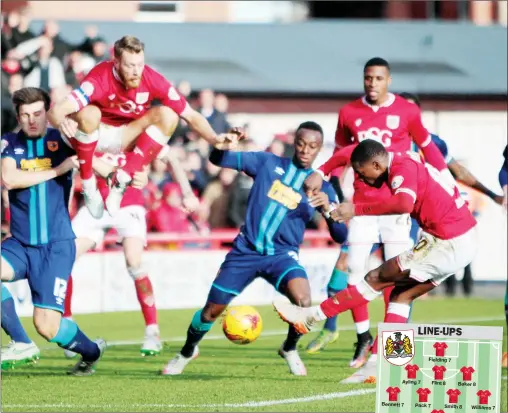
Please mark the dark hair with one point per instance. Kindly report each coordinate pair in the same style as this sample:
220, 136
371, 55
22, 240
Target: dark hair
128, 43
28, 95
376, 61
366, 150
411, 96
311, 126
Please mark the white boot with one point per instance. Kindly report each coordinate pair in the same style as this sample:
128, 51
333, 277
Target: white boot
178, 363
15, 354
366, 374
152, 344
294, 362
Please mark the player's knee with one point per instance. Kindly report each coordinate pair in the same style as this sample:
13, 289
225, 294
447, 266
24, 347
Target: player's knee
163, 117
46, 325
211, 312
88, 118
136, 271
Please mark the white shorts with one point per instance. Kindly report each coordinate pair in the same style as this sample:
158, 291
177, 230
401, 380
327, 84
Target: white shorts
110, 138
379, 229
129, 222
436, 259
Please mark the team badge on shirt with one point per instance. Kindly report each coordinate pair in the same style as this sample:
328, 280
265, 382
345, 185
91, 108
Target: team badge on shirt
173, 94
398, 347
392, 121
53, 146
397, 181
87, 88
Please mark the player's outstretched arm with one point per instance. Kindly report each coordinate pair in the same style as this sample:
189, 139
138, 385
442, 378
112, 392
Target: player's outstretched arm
60, 110
14, 178
463, 175
325, 203
199, 124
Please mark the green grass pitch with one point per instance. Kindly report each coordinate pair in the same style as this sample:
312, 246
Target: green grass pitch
226, 377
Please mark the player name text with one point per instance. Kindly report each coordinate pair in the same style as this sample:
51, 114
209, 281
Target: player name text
413, 382
439, 382
465, 383
392, 404
439, 331
440, 359
479, 407
423, 404
453, 406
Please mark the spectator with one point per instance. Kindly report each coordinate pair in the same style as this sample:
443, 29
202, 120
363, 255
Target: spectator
168, 216
9, 122
60, 47
216, 119
185, 89
222, 103
195, 173
77, 67
215, 200
277, 147
17, 29
48, 73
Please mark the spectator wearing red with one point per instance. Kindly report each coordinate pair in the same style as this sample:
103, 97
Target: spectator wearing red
169, 216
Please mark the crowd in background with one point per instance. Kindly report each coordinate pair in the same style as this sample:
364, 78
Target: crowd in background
46, 60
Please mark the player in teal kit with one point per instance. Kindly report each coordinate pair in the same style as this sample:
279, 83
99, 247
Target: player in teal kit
37, 170
268, 243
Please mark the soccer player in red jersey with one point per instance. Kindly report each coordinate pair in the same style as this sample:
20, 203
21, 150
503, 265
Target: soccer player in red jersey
396, 123
112, 97
448, 242
130, 224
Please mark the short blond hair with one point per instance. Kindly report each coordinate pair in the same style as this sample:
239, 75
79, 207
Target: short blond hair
130, 44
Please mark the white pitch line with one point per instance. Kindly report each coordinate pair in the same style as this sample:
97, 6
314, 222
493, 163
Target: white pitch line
262, 403
270, 333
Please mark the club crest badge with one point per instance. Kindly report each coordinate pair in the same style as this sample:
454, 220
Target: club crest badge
392, 121
53, 146
398, 346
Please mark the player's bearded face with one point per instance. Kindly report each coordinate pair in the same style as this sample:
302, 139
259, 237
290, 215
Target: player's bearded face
376, 80
32, 119
130, 67
372, 173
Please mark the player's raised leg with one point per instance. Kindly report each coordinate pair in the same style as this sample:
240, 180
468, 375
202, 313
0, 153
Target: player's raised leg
133, 250
338, 282
21, 349
162, 123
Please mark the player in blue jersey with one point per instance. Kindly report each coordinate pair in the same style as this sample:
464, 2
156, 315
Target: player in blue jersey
37, 170
268, 243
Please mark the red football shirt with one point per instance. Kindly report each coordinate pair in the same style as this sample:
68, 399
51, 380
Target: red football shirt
438, 207
393, 393
438, 372
119, 106
453, 395
132, 195
423, 395
437, 411
396, 123
467, 372
440, 349
411, 370
483, 396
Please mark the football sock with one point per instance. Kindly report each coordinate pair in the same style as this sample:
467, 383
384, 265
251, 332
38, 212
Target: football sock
148, 145
10, 320
338, 282
70, 337
68, 299
349, 298
396, 313
196, 331
144, 292
84, 145
291, 339
386, 296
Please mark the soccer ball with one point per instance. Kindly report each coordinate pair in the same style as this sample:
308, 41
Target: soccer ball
242, 324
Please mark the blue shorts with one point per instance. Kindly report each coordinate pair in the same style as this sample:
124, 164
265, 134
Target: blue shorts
239, 269
46, 267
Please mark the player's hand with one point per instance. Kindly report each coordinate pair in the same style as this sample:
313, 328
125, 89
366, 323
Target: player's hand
227, 141
343, 212
140, 179
241, 133
319, 200
190, 203
312, 185
69, 164
68, 128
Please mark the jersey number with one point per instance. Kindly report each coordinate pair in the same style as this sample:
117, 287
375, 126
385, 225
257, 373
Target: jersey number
60, 290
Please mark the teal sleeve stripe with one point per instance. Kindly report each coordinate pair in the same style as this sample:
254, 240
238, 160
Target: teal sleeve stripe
6, 294
198, 324
225, 290
239, 161
66, 332
281, 277
42, 188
